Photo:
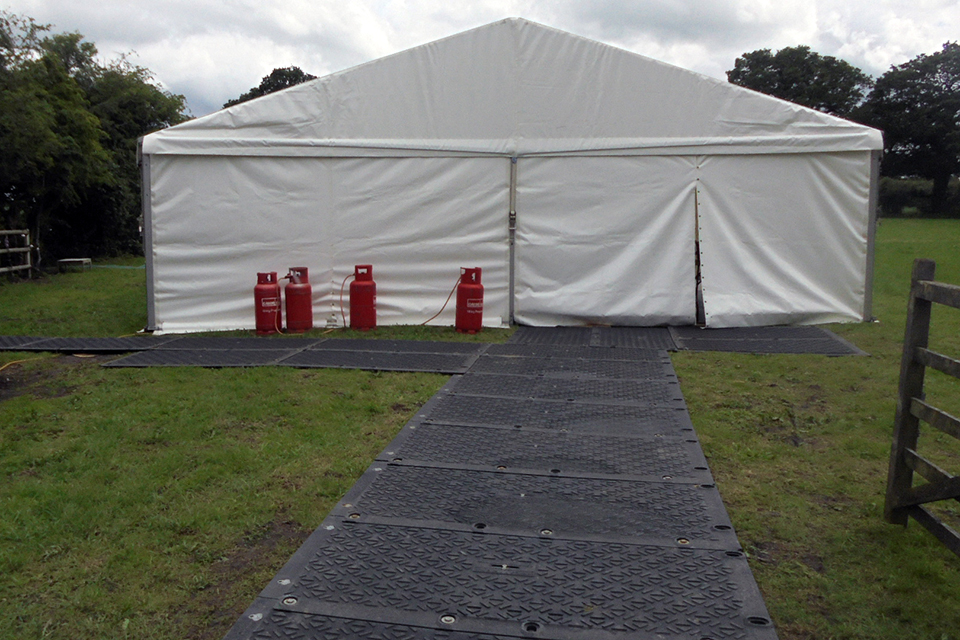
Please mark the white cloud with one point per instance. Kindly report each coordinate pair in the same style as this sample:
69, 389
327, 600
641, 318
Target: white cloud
213, 50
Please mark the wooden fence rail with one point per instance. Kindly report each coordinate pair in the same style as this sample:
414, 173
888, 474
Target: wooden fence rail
903, 499
19, 256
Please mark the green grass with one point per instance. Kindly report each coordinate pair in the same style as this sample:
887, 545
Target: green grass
800, 445
159, 502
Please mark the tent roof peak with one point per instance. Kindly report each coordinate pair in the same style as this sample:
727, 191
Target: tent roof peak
514, 79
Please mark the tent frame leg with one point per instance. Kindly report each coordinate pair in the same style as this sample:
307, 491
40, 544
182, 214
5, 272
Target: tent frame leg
512, 229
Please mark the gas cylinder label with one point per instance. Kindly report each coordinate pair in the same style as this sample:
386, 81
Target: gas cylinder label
267, 303
474, 303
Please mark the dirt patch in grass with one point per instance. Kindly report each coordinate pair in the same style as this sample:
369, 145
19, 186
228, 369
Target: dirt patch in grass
267, 548
45, 382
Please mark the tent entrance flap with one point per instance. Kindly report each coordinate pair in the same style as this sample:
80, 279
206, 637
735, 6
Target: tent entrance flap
605, 240
796, 254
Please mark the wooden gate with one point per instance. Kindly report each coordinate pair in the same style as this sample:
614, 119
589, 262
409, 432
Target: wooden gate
903, 499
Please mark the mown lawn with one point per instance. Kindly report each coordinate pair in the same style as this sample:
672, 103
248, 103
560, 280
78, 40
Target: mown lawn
157, 503
800, 447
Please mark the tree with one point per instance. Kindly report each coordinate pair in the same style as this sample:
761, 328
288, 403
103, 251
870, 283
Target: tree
68, 133
50, 150
278, 79
128, 105
917, 105
803, 76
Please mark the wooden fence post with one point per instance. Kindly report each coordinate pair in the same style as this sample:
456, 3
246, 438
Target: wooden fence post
906, 427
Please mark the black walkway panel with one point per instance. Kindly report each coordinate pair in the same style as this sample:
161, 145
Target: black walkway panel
18, 343
552, 491
380, 360
400, 346
800, 340
222, 343
626, 337
202, 358
87, 345
644, 457
441, 581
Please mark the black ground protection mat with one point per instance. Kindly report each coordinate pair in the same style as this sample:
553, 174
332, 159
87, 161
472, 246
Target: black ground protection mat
381, 361
798, 340
400, 346
662, 512
568, 352
17, 343
219, 343
526, 450
549, 492
99, 345
572, 368
205, 358
628, 337
615, 391
398, 582
570, 336
579, 417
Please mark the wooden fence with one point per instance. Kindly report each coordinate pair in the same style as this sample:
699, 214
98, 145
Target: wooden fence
903, 499
15, 251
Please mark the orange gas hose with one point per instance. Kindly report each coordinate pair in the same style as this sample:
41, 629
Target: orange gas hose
455, 285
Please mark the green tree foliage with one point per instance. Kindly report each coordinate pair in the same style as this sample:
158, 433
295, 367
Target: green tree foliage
68, 135
917, 105
803, 76
278, 79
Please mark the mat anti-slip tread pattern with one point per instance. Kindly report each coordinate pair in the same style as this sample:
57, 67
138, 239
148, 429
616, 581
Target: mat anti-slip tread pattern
17, 343
628, 337
101, 345
760, 340
557, 414
400, 346
571, 368
822, 346
551, 491
660, 512
507, 586
805, 332
511, 449
381, 361
221, 343
614, 391
575, 352
206, 358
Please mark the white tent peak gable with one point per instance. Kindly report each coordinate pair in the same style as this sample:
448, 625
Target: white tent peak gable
512, 87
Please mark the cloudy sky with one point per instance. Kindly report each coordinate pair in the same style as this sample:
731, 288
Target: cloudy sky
214, 50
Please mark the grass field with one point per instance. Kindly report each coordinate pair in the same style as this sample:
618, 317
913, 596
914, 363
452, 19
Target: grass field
157, 503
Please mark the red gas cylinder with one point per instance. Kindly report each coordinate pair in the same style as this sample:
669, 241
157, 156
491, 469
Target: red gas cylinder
266, 300
299, 296
363, 299
469, 301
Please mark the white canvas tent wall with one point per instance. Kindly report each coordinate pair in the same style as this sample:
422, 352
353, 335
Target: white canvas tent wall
579, 176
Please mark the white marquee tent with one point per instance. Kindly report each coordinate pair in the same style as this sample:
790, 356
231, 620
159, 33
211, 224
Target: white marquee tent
591, 185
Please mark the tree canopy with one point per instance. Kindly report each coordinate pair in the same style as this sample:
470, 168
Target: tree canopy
917, 105
281, 78
803, 76
68, 133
